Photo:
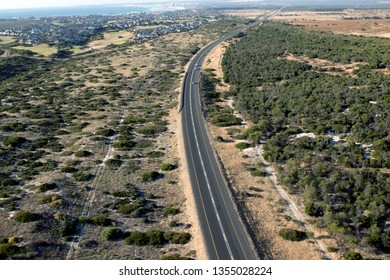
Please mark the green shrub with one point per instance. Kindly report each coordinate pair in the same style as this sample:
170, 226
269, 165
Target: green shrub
312, 210
111, 233
66, 153
100, 220
66, 227
242, 145
113, 163
107, 132
83, 153
69, 169
155, 237
82, 176
223, 120
8, 250
47, 199
168, 167
219, 139
171, 211
25, 217
332, 249
127, 209
155, 154
14, 141
175, 257
149, 176
353, 256
47, 187
258, 173
124, 145
15, 127
133, 120
151, 130
143, 143
72, 162
177, 237
292, 234
137, 238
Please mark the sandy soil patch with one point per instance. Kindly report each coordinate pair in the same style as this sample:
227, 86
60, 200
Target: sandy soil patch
252, 14
214, 61
346, 22
345, 69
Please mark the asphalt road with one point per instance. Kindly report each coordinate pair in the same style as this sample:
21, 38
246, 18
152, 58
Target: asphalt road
220, 223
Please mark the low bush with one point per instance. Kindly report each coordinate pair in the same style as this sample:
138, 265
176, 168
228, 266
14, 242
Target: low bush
155, 154
137, 238
47, 187
113, 163
82, 176
69, 169
175, 257
143, 143
83, 153
100, 220
353, 256
168, 167
292, 234
155, 237
107, 132
170, 211
151, 130
66, 153
223, 120
111, 233
8, 250
124, 145
177, 237
149, 176
242, 145
14, 141
25, 217
258, 173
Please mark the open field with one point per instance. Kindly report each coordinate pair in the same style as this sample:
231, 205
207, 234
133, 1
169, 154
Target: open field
4, 40
345, 22
42, 49
112, 38
355, 22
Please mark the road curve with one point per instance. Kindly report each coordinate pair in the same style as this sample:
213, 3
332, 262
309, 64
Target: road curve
223, 231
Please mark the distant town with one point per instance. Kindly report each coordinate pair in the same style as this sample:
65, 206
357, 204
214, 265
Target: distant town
78, 30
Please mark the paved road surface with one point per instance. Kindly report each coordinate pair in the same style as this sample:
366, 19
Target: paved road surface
224, 233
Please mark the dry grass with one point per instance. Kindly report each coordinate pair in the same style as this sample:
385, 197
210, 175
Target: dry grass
42, 49
112, 38
336, 23
4, 40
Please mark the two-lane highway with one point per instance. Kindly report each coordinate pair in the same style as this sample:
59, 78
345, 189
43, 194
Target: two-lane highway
223, 231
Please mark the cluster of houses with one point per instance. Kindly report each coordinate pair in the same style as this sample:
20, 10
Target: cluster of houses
78, 30
146, 34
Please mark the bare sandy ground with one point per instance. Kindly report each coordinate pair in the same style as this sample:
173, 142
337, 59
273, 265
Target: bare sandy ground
355, 22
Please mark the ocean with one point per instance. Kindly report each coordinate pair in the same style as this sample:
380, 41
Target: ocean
82, 10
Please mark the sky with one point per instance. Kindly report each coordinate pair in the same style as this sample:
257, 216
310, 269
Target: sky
20, 4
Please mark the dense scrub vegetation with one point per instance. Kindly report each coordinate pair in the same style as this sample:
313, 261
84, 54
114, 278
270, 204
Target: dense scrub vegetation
327, 128
85, 143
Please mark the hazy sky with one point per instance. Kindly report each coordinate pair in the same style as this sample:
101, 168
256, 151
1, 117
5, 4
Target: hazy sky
17, 4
